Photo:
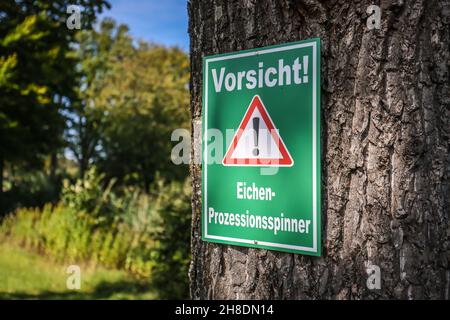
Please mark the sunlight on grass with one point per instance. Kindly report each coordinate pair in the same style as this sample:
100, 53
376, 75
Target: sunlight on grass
26, 275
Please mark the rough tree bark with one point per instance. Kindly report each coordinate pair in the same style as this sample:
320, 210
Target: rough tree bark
385, 149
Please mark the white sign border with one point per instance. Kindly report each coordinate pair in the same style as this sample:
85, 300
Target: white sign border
314, 162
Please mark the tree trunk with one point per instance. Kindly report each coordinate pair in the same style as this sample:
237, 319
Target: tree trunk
385, 150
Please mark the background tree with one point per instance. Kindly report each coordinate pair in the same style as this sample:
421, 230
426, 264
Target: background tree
385, 150
133, 98
37, 77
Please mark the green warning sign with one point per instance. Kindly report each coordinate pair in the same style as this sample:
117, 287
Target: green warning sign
261, 148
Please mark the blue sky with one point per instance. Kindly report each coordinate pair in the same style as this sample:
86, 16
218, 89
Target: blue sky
159, 21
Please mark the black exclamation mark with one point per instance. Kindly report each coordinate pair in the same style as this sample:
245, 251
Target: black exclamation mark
255, 135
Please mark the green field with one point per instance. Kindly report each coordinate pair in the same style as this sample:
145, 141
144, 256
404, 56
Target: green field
26, 275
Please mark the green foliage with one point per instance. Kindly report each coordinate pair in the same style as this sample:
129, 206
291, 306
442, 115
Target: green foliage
173, 233
29, 275
114, 103
88, 195
133, 98
147, 234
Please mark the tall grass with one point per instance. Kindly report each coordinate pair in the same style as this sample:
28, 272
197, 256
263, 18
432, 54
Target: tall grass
144, 234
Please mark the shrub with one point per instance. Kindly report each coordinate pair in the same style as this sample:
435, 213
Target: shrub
145, 234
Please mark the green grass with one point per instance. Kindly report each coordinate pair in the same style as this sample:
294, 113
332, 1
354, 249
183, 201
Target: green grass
26, 275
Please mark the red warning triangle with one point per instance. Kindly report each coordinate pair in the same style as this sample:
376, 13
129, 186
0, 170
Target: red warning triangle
257, 141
